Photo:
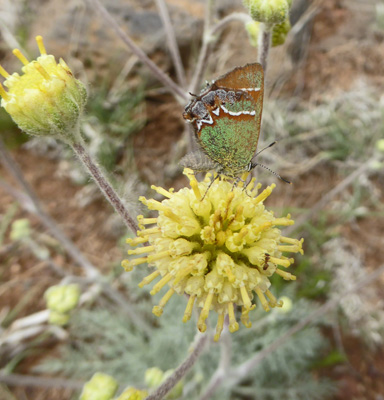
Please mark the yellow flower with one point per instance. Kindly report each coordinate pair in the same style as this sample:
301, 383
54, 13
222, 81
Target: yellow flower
99, 387
268, 11
46, 99
220, 247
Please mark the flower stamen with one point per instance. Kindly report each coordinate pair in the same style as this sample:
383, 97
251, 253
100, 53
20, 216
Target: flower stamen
20, 56
3, 93
3, 72
233, 324
40, 45
158, 310
219, 327
189, 308
148, 279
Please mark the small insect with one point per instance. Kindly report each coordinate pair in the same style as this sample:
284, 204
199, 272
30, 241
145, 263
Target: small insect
266, 261
226, 118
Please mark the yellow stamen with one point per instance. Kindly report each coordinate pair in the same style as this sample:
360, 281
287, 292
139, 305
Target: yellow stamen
256, 190
231, 277
233, 324
182, 274
284, 221
251, 184
283, 262
221, 237
168, 213
158, 310
245, 316
40, 45
138, 261
162, 282
20, 56
146, 221
230, 197
262, 298
148, 279
219, 327
262, 227
285, 275
126, 264
205, 312
195, 188
3, 93
284, 239
141, 250
189, 308
42, 71
137, 240
246, 300
150, 231
264, 194
293, 249
3, 72
162, 191
238, 237
158, 256
272, 299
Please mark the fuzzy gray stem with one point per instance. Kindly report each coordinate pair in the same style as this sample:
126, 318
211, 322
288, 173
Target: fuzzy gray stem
203, 56
224, 364
105, 186
38, 209
172, 43
158, 73
264, 45
181, 370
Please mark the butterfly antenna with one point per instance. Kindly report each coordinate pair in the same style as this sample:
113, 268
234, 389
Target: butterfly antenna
193, 95
273, 172
265, 148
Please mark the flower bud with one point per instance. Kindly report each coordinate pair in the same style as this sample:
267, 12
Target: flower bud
132, 393
268, 11
46, 100
100, 387
57, 318
62, 299
20, 229
253, 29
280, 32
153, 377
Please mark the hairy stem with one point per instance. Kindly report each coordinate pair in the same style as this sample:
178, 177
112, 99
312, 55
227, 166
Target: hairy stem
172, 43
182, 369
105, 186
158, 73
204, 51
264, 45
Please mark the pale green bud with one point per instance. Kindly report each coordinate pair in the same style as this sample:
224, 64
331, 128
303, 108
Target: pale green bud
62, 299
280, 32
60, 319
380, 145
132, 393
100, 387
20, 229
268, 11
153, 377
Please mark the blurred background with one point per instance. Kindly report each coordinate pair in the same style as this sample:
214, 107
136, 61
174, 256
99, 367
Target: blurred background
323, 103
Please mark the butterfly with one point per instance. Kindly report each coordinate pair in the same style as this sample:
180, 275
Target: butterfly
226, 118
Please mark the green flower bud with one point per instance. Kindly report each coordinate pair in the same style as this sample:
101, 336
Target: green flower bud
253, 29
380, 145
20, 229
60, 319
280, 32
46, 100
268, 11
100, 387
153, 377
62, 299
133, 394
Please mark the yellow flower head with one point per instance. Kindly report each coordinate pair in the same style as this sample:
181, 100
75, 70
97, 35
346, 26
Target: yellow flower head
132, 393
220, 249
46, 99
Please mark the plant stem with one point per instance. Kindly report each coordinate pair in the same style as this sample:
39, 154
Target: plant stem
182, 369
29, 195
203, 56
158, 73
105, 186
172, 43
264, 45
